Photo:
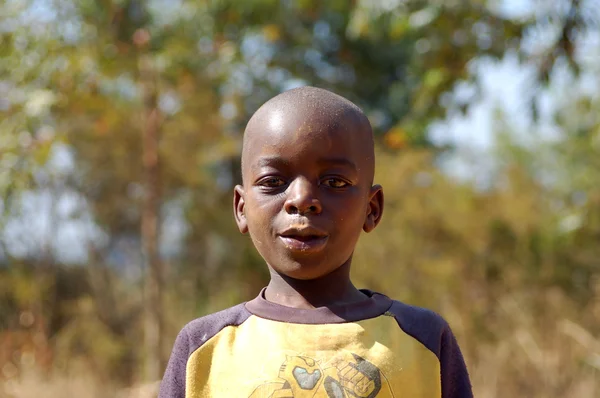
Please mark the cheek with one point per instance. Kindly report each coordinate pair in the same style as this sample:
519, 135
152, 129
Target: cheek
260, 212
353, 204
349, 214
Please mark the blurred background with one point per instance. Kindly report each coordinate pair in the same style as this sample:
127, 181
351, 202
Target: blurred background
120, 134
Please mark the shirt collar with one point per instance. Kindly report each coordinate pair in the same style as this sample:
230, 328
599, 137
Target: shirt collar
374, 305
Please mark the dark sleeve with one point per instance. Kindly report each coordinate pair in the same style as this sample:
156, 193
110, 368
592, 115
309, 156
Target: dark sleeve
190, 338
434, 333
455, 378
173, 382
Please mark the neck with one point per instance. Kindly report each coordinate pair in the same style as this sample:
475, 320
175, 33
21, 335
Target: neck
334, 288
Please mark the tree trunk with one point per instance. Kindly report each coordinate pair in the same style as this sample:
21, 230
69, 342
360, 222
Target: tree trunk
150, 223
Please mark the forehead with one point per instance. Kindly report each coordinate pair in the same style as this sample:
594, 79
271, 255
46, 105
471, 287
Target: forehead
306, 137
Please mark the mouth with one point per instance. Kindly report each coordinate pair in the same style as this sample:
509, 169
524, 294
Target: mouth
304, 240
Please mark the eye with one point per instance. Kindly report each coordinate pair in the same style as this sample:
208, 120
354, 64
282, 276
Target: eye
333, 182
271, 182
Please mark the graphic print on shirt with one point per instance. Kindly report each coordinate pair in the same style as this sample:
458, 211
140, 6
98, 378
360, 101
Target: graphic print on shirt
347, 375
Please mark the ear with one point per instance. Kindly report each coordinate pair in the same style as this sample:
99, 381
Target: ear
374, 209
238, 208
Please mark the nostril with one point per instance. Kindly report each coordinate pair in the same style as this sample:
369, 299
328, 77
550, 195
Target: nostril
292, 209
302, 207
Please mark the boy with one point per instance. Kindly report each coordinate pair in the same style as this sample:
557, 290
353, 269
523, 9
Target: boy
307, 193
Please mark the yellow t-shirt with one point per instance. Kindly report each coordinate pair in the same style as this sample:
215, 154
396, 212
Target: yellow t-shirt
375, 348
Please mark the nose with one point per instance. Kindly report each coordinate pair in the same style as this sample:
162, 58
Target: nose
302, 198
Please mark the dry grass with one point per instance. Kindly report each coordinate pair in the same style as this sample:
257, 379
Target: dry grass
564, 364
36, 385
532, 354
558, 362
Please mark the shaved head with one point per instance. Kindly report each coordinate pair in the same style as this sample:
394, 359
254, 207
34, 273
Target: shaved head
305, 110
307, 192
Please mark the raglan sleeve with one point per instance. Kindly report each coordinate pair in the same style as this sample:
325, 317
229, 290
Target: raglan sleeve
434, 333
173, 382
454, 376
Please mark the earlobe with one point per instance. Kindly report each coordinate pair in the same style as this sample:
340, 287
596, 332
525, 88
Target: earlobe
238, 208
374, 209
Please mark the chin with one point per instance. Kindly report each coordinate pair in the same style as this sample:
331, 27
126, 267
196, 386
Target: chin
305, 272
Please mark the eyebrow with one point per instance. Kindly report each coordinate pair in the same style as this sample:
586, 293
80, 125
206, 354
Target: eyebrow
270, 161
338, 162
279, 161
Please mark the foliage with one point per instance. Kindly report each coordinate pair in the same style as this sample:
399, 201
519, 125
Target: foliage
514, 268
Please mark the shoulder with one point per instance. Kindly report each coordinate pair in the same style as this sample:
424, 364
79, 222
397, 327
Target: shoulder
200, 330
426, 326
431, 330
411, 316
190, 338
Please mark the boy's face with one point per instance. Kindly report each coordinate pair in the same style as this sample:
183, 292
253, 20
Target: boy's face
307, 191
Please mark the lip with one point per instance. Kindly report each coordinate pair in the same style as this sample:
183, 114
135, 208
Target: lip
304, 240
